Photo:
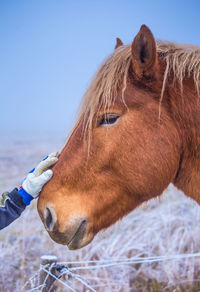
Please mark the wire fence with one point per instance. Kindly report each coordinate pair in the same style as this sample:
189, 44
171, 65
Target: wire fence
52, 272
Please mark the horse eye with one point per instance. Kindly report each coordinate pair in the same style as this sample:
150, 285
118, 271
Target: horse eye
108, 119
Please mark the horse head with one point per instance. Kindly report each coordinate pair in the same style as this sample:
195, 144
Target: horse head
125, 148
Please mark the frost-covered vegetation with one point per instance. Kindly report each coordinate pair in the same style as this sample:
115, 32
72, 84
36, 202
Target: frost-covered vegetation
167, 227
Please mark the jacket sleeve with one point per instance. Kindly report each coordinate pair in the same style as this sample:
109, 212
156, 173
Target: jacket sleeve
12, 209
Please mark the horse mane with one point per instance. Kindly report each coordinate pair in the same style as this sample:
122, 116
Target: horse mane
181, 60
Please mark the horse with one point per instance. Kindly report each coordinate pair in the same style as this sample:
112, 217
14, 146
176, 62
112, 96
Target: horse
138, 130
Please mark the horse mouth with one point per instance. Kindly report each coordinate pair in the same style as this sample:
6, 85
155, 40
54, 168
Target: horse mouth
75, 237
75, 241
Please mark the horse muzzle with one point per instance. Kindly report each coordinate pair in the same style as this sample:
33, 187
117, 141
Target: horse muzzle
74, 233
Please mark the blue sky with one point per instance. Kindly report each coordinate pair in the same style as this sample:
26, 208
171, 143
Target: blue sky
50, 50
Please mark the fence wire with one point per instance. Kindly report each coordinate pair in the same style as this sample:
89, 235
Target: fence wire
70, 273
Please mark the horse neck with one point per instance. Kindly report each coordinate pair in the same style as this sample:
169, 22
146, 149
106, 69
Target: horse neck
186, 114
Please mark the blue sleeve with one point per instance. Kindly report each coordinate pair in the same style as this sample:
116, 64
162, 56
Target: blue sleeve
13, 208
26, 198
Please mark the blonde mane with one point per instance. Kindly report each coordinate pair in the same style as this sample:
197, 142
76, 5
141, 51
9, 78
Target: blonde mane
182, 60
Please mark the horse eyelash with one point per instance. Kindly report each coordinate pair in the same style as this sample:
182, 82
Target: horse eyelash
106, 120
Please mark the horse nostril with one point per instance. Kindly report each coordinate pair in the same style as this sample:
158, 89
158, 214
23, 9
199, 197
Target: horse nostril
50, 219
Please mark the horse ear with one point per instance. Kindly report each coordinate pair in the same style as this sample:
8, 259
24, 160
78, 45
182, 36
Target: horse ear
144, 54
118, 43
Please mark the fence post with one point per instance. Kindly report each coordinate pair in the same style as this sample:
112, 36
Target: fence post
46, 279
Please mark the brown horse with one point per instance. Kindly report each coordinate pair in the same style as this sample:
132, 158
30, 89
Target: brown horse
138, 130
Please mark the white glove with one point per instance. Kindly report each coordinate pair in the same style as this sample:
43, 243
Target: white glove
39, 176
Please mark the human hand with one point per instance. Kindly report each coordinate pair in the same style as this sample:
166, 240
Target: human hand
39, 176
